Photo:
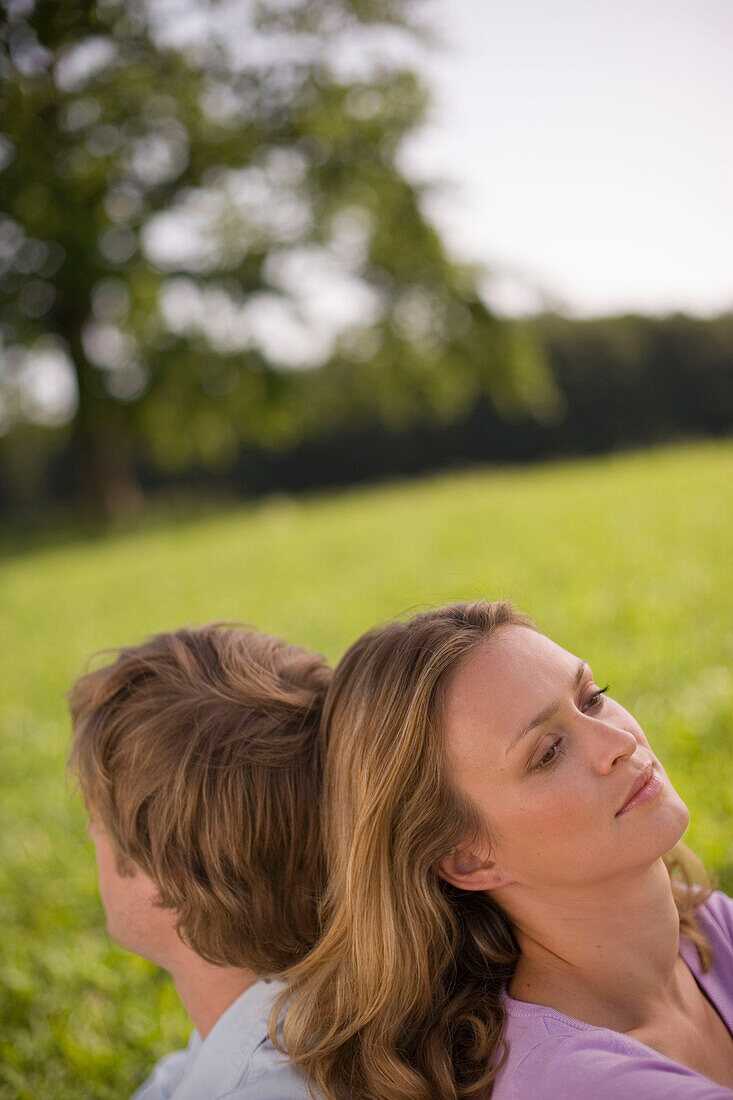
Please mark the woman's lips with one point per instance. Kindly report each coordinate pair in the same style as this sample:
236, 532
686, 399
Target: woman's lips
645, 793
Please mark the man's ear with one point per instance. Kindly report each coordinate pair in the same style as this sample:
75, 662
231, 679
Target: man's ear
470, 870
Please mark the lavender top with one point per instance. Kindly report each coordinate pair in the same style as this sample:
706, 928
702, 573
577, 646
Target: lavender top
552, 1055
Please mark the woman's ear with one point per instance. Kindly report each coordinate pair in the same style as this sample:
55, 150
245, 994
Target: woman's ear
469, 870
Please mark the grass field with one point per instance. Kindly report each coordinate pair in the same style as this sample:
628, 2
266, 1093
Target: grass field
625, 560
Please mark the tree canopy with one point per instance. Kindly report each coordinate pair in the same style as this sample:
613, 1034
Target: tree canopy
204, 225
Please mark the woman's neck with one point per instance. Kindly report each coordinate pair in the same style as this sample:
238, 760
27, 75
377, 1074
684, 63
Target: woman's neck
605, 954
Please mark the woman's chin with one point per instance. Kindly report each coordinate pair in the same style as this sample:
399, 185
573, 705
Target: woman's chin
658, 827
674, 818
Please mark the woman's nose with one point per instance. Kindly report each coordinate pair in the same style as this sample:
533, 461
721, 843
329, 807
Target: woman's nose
611, 744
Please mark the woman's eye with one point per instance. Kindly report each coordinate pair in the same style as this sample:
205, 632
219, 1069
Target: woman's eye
554, 752
550, 756
596, 698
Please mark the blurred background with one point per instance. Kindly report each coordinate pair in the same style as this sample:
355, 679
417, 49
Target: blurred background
254, 247
316, 311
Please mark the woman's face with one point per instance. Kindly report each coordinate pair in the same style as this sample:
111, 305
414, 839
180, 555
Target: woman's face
550, 761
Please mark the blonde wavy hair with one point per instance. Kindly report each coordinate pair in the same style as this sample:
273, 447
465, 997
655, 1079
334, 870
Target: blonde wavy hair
400, 999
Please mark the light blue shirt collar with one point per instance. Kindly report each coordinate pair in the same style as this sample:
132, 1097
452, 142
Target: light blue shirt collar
236, 1055
223, 1059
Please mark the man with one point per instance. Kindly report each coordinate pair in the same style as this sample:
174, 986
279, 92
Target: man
196, 755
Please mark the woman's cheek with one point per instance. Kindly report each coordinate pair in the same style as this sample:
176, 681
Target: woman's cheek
548, 815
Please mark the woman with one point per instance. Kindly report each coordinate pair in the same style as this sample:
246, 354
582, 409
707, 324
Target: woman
507, 888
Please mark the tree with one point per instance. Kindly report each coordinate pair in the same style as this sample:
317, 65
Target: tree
177, 183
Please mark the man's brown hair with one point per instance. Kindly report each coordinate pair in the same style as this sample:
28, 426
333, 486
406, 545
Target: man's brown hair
197, 752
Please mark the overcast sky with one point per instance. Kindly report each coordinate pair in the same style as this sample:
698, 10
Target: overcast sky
588, 149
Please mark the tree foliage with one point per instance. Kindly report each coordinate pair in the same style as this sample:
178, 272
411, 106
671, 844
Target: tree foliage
203, 216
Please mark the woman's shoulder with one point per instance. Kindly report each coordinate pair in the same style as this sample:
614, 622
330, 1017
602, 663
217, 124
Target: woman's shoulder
603, 1065
539, 1042
550, 1055
716, 914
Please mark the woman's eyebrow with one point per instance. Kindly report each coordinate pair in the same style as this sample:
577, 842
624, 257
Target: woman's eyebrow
546, 714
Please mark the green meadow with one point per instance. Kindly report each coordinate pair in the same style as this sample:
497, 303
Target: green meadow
625, 560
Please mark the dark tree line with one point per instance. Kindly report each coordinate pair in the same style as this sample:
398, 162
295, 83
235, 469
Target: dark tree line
623, 382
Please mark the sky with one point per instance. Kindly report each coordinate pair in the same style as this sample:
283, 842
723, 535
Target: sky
584, 150
579, 152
